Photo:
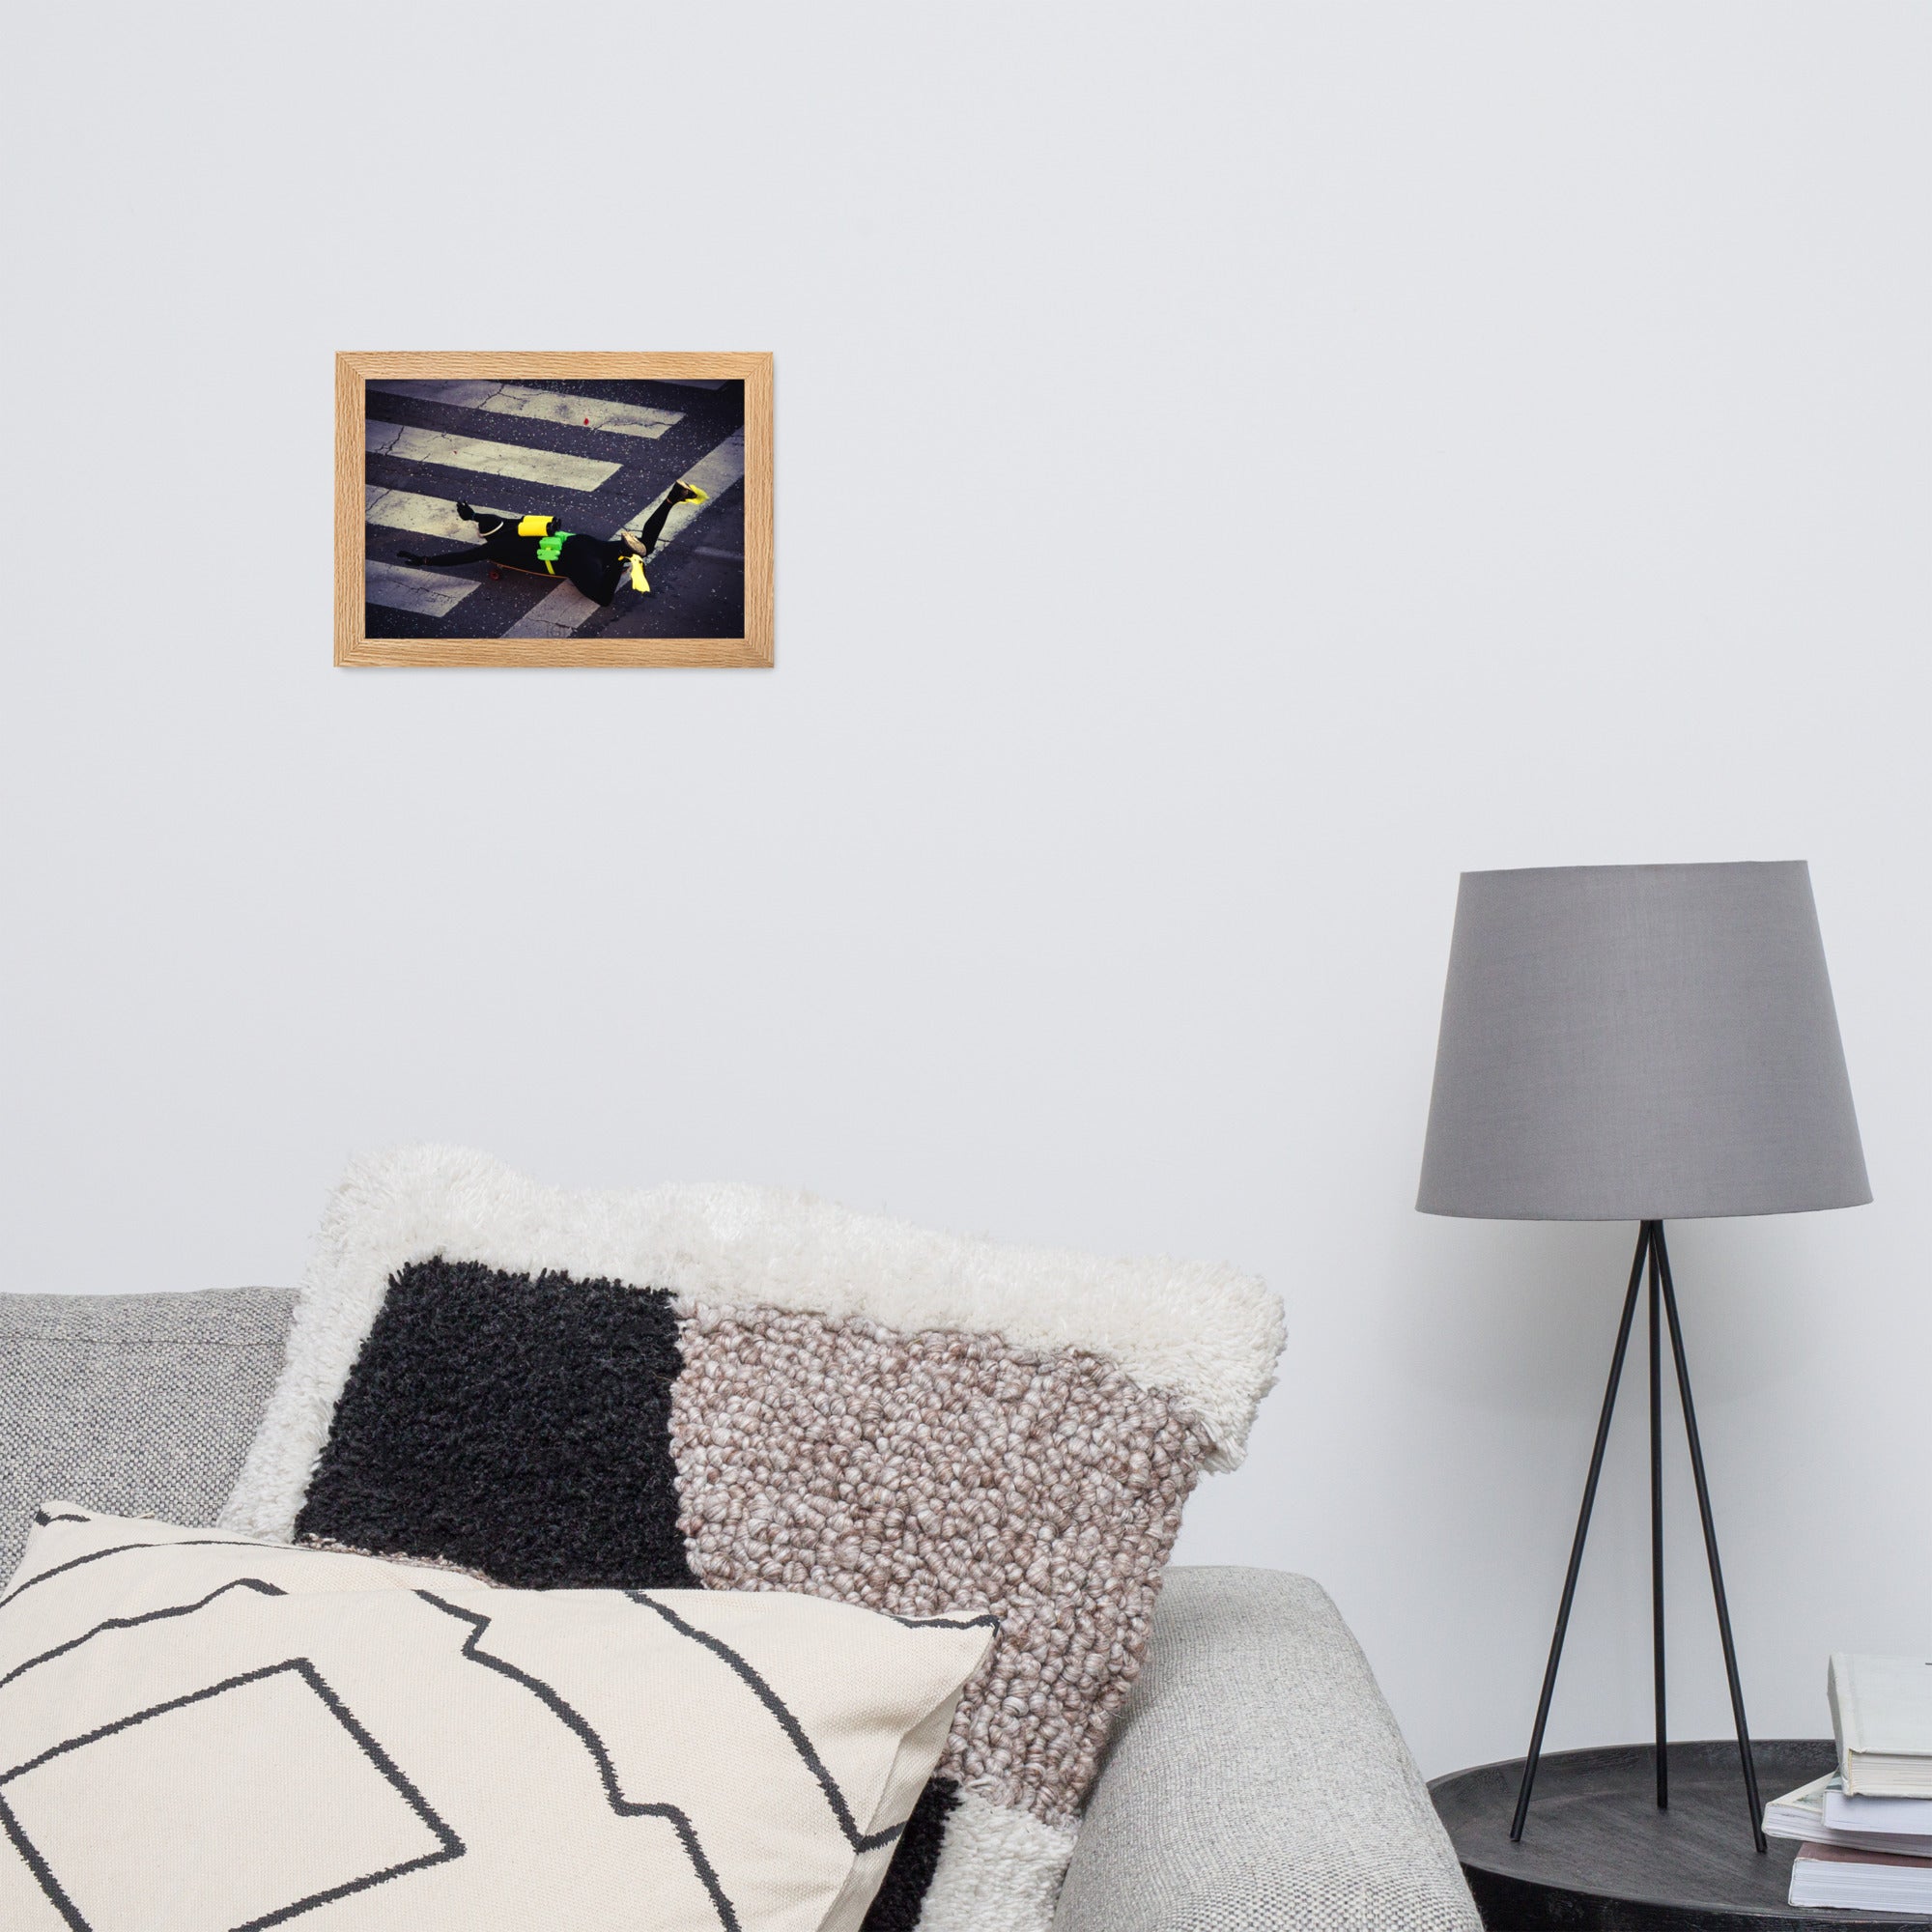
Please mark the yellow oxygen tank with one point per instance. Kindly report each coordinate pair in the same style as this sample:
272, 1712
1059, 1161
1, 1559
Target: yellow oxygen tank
534, 527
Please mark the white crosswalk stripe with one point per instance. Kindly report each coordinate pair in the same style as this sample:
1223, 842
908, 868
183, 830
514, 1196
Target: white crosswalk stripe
430, 593
490, 458
560, 614
565, 610
426, 516
714, 474
513, 399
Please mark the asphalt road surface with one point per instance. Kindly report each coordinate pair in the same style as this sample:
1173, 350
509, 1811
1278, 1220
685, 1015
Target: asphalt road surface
524, 448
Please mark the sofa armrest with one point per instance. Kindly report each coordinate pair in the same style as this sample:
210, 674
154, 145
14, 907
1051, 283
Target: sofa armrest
1257, 1780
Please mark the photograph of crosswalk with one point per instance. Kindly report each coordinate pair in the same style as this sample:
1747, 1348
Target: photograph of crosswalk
554, 509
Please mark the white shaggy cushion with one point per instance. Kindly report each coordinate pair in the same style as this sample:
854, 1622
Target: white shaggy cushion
1205, 1332
766, 1391
199, 1732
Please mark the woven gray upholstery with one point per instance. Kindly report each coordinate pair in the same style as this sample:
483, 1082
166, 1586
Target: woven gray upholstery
139, 1405
1257, 1781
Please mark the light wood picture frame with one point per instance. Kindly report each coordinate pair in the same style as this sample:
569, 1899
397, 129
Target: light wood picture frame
470, 497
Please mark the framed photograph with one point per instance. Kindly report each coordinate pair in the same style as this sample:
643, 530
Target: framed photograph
552, 509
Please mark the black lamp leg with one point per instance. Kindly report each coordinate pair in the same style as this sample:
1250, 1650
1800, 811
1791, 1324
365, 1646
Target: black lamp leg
1582, 1532
1657, 1515
1651, 1249
1710, 1541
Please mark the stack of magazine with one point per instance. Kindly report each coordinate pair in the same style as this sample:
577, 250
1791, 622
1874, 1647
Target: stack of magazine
1865, 1828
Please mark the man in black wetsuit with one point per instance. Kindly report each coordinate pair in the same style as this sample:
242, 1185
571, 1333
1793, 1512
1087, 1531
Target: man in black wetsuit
594, 564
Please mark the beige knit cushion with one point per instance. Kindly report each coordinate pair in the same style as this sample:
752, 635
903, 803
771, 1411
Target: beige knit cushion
200, 1733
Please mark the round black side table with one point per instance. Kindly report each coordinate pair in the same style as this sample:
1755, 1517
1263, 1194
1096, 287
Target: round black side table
1598, 1855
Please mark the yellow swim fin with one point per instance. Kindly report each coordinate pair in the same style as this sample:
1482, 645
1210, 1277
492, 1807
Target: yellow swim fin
639, 580
693, 495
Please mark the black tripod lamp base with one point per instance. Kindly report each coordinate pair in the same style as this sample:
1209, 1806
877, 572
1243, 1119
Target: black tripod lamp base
1653, 1258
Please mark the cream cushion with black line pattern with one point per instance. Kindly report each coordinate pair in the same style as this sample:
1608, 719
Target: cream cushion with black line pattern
199, 1732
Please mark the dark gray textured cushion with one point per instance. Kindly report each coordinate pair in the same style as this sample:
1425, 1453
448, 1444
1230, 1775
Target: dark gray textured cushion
1257, 1781
136, 1405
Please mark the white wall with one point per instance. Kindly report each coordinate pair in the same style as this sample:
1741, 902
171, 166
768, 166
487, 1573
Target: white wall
1237, 467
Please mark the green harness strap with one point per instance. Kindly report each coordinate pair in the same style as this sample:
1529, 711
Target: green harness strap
549, 549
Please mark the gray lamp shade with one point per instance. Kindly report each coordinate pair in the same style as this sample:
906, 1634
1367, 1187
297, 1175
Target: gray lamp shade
1640, 1042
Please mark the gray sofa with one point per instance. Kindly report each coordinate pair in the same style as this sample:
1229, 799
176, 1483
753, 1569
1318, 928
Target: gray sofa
1256, 1779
